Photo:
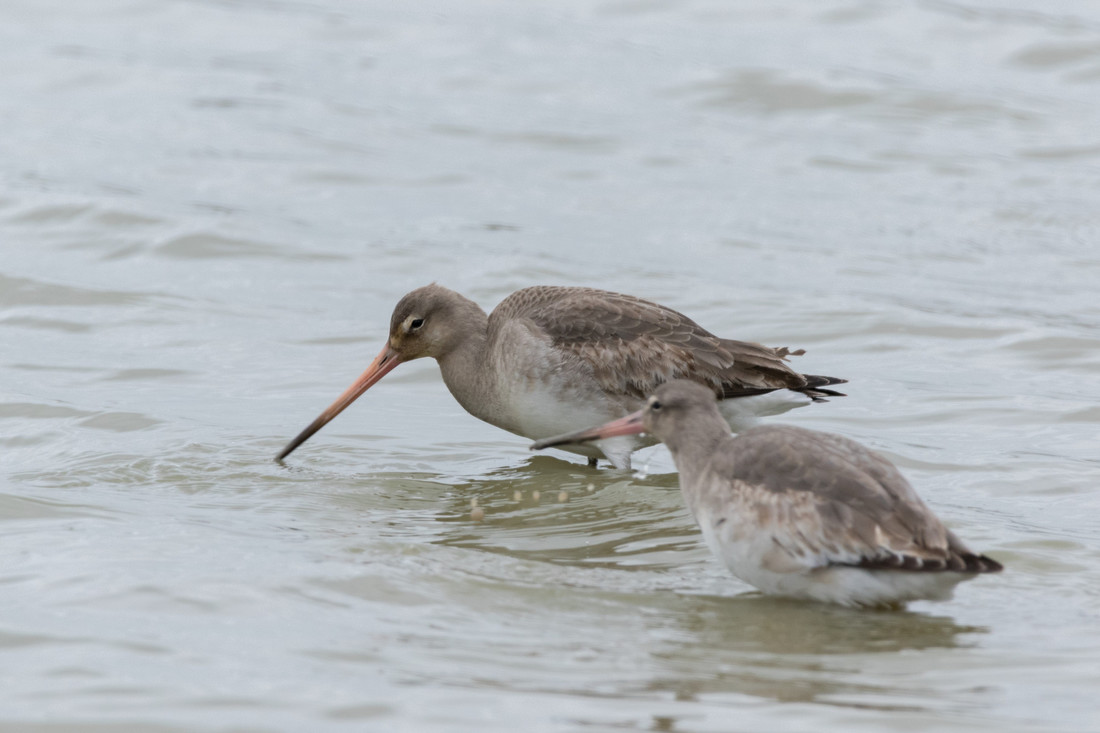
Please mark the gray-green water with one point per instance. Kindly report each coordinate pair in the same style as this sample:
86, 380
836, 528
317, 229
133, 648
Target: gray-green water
208, 209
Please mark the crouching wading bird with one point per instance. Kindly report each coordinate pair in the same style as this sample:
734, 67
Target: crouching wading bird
799, 513
553, 359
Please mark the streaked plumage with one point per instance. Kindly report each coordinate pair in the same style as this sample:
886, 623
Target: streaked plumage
552, 359
801, 513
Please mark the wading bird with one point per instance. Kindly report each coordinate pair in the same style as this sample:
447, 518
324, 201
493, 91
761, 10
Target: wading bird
796, 512
552, 359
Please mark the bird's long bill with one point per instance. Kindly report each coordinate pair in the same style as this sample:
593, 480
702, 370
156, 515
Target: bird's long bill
380, 367
629, 425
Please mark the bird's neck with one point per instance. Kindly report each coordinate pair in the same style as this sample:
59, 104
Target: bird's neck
692, 449
464, 363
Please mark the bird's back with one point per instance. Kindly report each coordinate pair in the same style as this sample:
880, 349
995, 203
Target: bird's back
634, 345
829, 498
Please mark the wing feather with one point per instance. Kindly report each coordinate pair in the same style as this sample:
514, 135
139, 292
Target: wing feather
825, 501
632, 345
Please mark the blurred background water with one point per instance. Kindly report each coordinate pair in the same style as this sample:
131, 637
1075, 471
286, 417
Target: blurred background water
209, 208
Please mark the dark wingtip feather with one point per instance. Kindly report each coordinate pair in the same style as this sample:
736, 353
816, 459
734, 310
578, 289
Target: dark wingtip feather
821, 395
815, 387
816, 380
968, 562
956, 563
983, 564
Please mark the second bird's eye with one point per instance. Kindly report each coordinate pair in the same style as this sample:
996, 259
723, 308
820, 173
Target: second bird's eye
655, 405
416, 323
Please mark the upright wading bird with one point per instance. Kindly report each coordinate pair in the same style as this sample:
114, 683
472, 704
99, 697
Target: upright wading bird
552, 359
796, 512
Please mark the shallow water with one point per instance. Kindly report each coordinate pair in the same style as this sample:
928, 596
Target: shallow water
208, 209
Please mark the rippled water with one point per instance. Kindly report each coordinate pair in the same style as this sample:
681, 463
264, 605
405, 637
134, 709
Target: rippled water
208, 209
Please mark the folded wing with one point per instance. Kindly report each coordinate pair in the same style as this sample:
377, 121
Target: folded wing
633, 345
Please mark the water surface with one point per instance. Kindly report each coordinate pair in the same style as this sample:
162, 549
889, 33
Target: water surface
208, 209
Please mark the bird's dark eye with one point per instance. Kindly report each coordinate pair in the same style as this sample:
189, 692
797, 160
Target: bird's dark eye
416, 323
655, 405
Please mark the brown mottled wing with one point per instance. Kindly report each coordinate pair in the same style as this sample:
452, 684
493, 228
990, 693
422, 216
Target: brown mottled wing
633, 345
831, 501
